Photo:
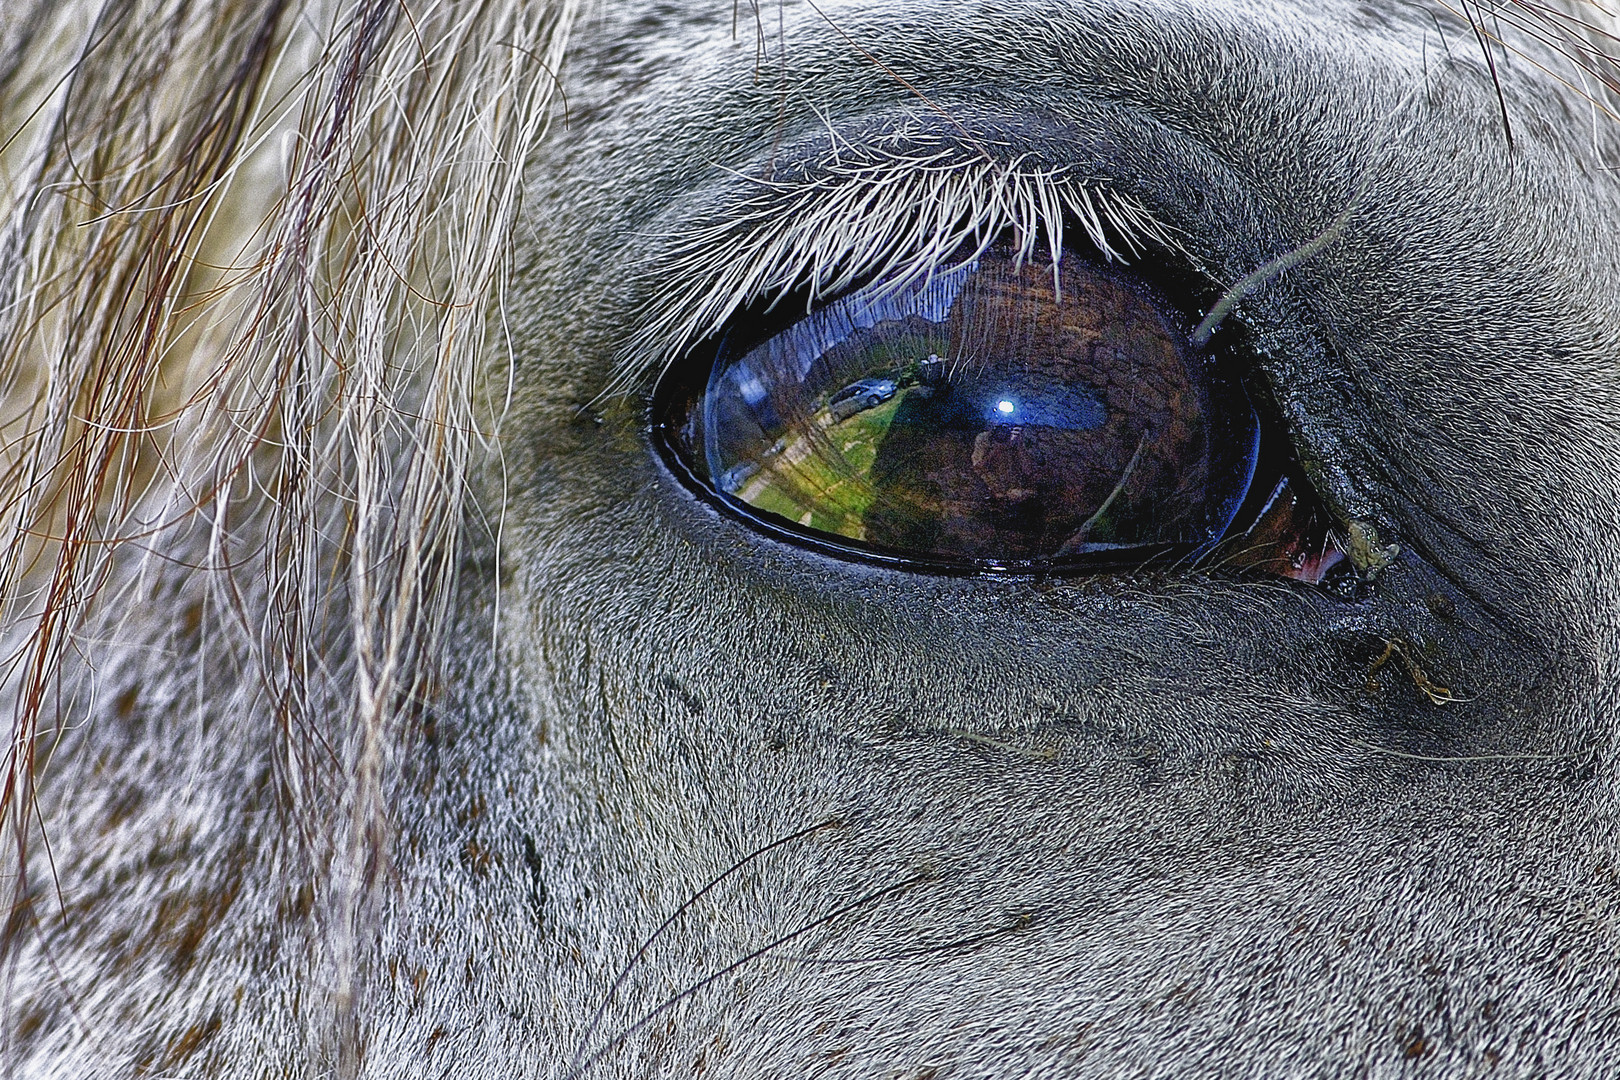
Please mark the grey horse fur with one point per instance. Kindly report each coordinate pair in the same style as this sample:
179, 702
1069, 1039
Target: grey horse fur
688, 801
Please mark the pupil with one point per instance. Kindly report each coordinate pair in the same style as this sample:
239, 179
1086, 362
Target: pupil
1003, 411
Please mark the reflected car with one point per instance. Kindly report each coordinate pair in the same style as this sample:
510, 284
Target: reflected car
859, 396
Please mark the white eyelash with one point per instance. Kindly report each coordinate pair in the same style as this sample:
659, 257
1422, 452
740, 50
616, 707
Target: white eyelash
891, 216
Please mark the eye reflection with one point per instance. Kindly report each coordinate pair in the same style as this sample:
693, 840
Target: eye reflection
1001, 412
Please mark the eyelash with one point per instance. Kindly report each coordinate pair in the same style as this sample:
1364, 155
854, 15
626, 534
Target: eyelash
855, 214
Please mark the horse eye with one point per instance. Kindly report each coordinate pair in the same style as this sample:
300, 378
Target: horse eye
1009, 413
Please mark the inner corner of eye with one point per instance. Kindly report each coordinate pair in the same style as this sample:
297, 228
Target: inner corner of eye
1007, 412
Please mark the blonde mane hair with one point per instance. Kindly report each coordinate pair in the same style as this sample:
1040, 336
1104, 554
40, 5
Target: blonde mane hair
249, 256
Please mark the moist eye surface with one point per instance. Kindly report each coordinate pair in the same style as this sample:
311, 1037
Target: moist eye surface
1005, 411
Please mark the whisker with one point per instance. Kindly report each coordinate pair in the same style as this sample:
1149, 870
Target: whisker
624, 972
1476, 25
1018, 925
1454, 758
793, 935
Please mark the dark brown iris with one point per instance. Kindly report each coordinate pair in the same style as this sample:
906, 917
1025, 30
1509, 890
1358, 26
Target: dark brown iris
1005, 411
1065, 424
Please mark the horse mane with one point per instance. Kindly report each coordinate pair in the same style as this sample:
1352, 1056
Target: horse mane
249, 251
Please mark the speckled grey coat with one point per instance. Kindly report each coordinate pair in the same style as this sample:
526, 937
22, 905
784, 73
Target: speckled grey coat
685, 801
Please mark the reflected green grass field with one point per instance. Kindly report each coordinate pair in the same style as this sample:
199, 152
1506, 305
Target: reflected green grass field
822, 478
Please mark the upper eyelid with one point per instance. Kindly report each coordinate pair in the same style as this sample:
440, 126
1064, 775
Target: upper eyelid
848, 217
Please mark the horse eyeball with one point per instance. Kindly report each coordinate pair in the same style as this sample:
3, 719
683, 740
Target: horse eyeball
1006, 413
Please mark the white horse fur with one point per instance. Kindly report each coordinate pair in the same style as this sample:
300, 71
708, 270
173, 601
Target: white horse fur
382, 707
